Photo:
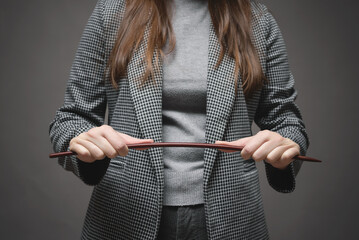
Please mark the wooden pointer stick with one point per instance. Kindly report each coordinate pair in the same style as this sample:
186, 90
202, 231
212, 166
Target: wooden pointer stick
184, 144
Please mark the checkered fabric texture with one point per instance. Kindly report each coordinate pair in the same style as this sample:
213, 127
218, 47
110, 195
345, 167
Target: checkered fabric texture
127, 196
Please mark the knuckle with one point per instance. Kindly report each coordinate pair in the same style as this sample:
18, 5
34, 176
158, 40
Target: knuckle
248, 150
72, 143
106, 127
276, 164
113, 154
280, 137
287, 140
296, 149
121, 146
124, 151
271, 159
257, 156
86, 154
98, 155
266, 132
80, 136
244, 153
92, 132
286, 156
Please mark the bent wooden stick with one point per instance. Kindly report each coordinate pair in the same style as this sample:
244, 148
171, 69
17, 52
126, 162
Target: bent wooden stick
184, 144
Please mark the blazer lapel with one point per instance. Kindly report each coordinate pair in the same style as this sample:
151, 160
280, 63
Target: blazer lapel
148, 101
220, 99
148, 104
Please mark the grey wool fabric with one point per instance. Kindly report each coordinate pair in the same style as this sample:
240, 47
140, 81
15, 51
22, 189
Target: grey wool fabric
184, 90
127, 198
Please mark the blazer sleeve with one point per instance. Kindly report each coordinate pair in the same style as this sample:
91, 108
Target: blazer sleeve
277, 110
85, 100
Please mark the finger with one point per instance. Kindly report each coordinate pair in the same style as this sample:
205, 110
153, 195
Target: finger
275, 155
224, 143
239, 143
131, 140
101, 142
82, 153
144, 148
262, 152
116, 141
253, 144
243, 141
288, 156
95, 151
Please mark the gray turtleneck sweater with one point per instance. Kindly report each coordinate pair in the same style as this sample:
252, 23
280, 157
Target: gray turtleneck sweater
184, 102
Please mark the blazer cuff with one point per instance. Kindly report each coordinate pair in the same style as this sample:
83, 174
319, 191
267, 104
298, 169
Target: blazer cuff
92, 173
281, 180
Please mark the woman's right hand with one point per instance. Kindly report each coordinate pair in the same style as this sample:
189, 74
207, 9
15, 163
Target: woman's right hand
99, 142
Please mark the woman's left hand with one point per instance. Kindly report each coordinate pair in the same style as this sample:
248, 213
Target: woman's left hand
267, 145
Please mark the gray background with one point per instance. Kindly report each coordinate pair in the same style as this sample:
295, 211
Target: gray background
40, 200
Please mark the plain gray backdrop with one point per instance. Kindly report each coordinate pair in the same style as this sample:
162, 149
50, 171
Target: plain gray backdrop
40, 200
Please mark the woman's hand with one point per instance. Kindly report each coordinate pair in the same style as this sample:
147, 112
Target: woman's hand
267, 145
99, 142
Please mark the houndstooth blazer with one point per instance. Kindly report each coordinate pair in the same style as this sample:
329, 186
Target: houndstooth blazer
127, 195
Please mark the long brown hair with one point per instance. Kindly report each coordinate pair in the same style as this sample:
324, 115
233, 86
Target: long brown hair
232, 23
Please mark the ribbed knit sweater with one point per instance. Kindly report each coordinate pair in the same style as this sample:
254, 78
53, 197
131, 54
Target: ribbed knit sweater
184, 102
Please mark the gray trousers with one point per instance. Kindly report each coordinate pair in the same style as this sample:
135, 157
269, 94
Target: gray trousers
183, 223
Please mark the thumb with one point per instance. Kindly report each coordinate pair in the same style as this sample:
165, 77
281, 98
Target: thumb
225, 143
242, 141
238, 142
132, 140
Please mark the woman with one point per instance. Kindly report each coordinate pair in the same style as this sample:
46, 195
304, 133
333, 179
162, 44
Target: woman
181, 70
